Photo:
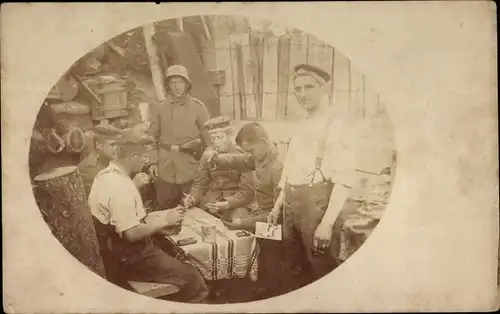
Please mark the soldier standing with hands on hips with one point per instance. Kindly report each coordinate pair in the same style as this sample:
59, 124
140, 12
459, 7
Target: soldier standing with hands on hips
178, 128
317, 176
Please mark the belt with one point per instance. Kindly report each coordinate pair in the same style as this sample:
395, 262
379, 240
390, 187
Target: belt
308, 185
169, 147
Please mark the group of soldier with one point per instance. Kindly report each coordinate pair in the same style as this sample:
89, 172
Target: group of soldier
196, 163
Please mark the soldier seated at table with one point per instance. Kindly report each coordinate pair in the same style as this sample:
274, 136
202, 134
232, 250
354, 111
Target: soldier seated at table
228, 193
262, 156
120, 216
105, 136
259, 155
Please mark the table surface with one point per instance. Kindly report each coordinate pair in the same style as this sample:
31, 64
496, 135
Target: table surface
228, 257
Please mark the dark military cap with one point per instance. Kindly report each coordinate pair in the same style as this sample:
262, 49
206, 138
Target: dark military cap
218, 124
312, 70
106, 131
134, 136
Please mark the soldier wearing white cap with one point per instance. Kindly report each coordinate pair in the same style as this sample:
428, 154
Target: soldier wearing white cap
177, 125
225, 192
317, 175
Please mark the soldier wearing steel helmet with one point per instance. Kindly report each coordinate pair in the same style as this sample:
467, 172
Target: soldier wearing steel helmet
177, 126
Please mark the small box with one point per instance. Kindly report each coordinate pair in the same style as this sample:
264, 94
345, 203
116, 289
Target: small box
217, 77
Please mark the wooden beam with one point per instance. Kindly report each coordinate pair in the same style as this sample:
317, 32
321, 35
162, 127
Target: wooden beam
180, 23
154, 63
116, 49
205, 28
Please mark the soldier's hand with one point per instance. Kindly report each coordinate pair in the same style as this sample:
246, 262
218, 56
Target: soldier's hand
322, 238
169, 231
189, 201
234, 224
217, 206
273, 216
211, 158
141, 179
174, 216
153, 171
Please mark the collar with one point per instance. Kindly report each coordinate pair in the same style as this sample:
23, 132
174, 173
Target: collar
117, 167
178, 101
103, 160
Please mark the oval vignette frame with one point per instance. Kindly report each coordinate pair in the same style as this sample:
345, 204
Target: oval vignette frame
241, 57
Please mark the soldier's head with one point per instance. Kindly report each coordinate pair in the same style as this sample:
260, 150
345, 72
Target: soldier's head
220, 132
309, 85
105, 137
254, 140
132, 150
177, 80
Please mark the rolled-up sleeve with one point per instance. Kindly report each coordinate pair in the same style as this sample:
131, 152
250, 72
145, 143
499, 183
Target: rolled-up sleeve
341, 157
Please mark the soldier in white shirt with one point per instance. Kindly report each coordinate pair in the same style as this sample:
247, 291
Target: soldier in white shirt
120, 216
317, 175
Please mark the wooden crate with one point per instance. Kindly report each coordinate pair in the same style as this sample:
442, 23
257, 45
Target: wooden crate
108, 97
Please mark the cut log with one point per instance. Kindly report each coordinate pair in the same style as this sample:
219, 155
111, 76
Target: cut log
154, 63
61, 197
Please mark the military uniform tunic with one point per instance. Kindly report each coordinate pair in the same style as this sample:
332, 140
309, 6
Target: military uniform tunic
175, 123
268, 173
90, 167
235, 186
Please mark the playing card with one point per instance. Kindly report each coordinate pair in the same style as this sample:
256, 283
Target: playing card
268, 231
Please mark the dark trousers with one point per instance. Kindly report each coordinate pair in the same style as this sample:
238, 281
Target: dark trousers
151, 264
169, 195
274, 270
145, 261
305, 206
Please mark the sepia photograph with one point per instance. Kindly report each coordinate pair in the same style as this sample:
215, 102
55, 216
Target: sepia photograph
250, 157
154, 156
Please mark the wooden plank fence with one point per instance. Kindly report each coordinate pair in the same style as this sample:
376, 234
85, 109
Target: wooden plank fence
258, 87
258, 70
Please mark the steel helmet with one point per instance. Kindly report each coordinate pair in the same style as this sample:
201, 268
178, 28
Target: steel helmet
178, 70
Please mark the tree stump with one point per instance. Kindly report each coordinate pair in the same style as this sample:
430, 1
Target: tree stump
61, 198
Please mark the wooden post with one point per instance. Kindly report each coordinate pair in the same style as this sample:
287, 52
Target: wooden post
154, 63
180, 23
205, 28
284, 46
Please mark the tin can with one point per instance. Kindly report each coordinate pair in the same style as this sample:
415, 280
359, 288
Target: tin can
208, 233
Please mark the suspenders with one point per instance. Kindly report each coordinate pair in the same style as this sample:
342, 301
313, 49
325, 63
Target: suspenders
321, 151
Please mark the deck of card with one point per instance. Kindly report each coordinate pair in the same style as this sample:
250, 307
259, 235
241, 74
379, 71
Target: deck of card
268, 231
